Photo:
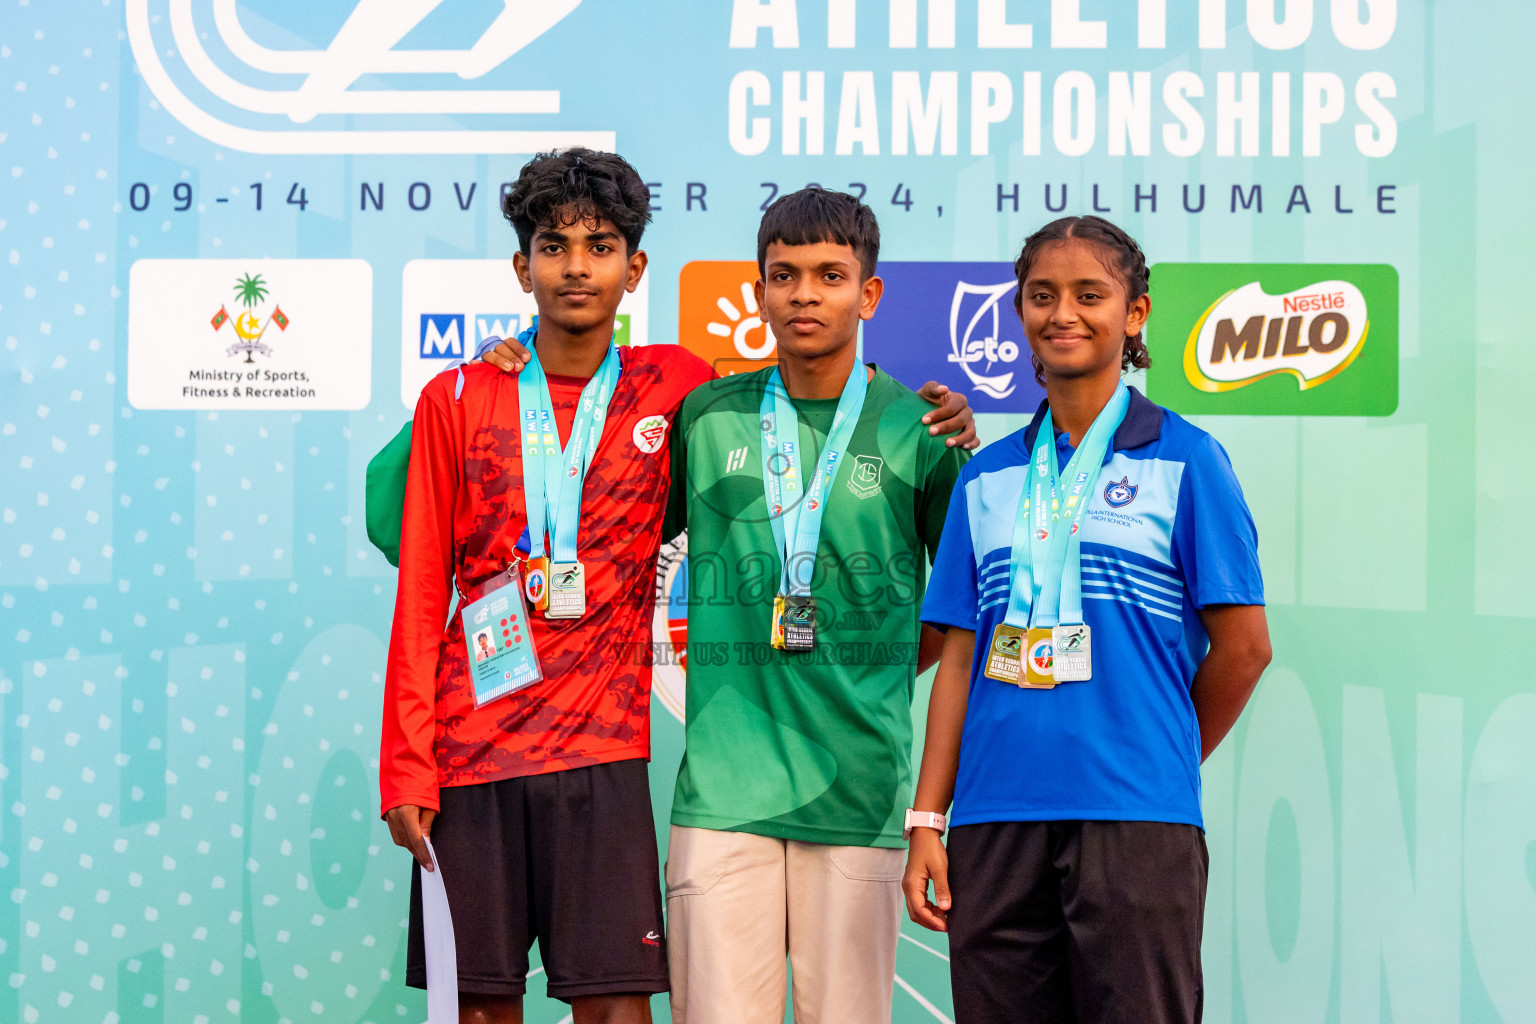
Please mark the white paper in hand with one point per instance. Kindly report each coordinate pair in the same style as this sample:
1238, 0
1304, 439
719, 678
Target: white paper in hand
442, 957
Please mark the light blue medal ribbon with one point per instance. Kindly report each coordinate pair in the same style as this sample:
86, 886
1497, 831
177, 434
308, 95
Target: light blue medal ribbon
797, 523
1046, 565
552, 476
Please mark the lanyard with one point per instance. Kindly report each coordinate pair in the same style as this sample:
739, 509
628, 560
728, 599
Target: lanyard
552, 477
797, 523
1047, 585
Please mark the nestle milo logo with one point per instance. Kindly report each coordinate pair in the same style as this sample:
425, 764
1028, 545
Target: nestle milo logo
1247, 335
1284, 339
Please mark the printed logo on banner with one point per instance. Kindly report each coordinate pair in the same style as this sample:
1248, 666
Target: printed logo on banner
450, 307
224, 92
442, 335
954, 323
250, 334
1275, 339
249, 327
717, 316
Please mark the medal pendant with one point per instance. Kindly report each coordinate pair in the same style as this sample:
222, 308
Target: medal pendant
567, 591
536, 583
794, 622
1039, 659
1005, 654
1074, 653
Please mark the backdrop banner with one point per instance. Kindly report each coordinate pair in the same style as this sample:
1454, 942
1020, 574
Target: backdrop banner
239, 236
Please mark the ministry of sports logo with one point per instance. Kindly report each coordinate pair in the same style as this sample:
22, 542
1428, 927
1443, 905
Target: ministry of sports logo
250, 334
249, 327
220, 90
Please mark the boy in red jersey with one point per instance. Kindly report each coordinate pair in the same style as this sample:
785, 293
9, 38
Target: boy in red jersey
537, 803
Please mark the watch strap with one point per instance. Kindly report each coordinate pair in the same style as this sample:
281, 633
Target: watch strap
923, 819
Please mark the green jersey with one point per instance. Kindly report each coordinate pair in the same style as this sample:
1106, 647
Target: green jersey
813, 746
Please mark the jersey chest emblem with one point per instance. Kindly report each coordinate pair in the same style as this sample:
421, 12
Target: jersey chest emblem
649, 433
864, 476
1120, 493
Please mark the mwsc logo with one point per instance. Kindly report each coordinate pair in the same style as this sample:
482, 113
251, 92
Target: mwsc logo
448, 308
1276, 339
444, 335
234, 107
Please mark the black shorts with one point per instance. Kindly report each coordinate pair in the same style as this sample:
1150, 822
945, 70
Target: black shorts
568, 858
1054, 922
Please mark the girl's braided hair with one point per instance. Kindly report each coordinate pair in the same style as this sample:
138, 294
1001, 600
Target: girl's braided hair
1119, 252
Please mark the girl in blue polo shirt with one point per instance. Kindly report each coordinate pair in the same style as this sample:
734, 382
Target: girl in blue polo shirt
1098, 582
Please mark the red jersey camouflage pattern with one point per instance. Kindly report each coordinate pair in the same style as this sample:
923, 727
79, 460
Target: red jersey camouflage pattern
464, 515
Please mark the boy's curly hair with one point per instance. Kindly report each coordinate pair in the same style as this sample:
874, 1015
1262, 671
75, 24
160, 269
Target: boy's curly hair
579, 184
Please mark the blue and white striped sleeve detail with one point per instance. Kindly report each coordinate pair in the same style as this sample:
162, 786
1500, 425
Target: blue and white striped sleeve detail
994, 577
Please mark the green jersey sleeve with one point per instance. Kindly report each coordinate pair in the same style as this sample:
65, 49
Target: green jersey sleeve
384, 494
933, 496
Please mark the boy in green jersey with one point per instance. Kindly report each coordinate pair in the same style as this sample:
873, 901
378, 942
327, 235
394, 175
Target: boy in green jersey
811, 507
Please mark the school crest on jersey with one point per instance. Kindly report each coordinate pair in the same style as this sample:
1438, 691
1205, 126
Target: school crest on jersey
864, 476
649, 434
1120, 493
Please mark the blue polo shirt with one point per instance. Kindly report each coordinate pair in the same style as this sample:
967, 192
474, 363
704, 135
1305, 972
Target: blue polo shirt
1167, 532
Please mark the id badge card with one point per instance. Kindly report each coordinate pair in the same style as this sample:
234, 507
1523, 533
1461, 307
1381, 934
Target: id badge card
1074, 653
536, 583
794, 622
499, 640
1005, 654
567, 591
1039, 659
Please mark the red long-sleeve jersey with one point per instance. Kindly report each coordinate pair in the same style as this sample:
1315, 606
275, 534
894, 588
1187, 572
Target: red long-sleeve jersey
464, 514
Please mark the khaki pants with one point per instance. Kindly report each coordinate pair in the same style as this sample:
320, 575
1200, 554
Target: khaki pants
739, 905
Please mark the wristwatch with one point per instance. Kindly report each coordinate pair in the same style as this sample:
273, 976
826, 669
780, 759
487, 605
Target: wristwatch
923, 819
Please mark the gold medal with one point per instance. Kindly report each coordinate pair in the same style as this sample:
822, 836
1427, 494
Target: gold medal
1039, 659
1005, 654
